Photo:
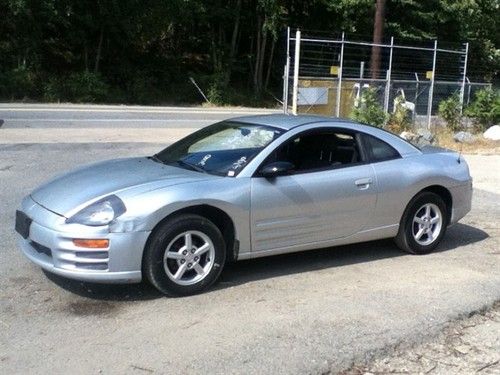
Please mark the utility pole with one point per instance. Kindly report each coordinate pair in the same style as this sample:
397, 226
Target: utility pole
378, 33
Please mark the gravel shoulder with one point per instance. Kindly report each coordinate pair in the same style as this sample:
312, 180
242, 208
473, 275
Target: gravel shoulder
467, 346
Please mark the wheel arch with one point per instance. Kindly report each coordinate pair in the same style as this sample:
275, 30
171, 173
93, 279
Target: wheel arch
219, 217
444, 194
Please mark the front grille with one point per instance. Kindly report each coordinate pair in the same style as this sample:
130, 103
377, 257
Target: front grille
92, 254
41, 249
92, 266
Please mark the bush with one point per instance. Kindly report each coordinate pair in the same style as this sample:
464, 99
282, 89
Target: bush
400, 119
369, 111
86, 87
449, 110
19, 83
216, 89
142, 89
52, 90
83, 87
485, 109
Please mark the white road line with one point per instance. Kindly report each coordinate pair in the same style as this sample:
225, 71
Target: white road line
128, 110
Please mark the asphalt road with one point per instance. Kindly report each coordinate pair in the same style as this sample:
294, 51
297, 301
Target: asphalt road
21, 116
69, 123
309, 312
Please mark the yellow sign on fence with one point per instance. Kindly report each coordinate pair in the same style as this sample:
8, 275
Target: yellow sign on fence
334, 70
428, 74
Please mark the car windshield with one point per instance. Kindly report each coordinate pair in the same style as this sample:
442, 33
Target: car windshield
222, 149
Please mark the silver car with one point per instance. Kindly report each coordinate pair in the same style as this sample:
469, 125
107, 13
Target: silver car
242, 188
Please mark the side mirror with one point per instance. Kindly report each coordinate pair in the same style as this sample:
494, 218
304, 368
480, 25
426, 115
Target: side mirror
275, 169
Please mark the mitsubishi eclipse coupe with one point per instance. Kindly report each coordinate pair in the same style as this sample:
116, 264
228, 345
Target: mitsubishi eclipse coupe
242, 188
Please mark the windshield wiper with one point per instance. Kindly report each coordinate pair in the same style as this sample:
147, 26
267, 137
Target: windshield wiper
193, 167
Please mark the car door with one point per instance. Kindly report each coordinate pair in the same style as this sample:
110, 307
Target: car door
329, 195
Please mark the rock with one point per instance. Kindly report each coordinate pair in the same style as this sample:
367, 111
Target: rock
426, 134
421, 139
492, 133
462, 349
409, 136
463, 137
422, 142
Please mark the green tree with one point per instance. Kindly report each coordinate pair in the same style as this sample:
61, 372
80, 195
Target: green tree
451, 112
485, 109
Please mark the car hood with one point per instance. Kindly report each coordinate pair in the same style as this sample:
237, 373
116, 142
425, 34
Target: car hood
70, 191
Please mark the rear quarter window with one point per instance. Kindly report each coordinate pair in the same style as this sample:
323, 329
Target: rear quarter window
379, 150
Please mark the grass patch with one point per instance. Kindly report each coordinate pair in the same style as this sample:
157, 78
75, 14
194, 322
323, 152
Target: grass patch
480, 145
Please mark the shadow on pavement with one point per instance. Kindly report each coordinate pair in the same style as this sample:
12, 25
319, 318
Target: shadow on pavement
275, 266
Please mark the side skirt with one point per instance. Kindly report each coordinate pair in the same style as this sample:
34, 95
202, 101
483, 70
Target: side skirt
388, 231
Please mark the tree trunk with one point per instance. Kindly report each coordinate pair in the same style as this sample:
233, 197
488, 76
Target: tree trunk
269, 64
378, 33
234, 39
261, 62
86, 57
257, 57
99, 51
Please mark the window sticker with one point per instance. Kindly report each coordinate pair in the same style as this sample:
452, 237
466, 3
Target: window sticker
204, 160
239, 163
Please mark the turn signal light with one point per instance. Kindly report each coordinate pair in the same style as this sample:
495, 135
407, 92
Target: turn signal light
91, 243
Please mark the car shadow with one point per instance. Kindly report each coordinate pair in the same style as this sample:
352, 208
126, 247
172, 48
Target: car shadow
281, 265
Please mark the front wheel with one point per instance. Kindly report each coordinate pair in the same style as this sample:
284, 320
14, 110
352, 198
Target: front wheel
185, 255
423, 224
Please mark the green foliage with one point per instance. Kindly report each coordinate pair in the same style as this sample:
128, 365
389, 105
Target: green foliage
84, 87
449, 110
215, 92
142, 88
144, 51
369, 111
18, 83
485, 109
400, 119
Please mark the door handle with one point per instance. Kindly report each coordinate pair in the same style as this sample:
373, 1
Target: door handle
363, 183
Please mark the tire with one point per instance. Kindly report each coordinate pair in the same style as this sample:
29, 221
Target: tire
423, 224
184, 256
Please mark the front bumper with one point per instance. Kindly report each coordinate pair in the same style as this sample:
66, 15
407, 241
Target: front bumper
50, 246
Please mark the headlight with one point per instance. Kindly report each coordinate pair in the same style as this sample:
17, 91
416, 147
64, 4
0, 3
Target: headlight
98, 213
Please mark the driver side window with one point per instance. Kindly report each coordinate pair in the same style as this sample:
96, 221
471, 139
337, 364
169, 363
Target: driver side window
318, 150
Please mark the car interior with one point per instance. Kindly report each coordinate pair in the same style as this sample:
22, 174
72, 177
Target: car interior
318, 151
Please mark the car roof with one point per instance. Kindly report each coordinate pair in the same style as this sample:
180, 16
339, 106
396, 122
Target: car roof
287, 122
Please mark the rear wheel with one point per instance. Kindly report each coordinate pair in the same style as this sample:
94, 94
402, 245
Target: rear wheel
423, 224
184, 256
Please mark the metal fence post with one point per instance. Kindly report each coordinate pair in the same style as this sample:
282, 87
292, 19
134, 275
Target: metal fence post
286, 75
417, 81
468, 90
339, 83
462, 88
431, 89
296, 65
388, 79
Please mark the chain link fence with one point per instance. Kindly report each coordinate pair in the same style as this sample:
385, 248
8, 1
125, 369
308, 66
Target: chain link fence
327, 75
